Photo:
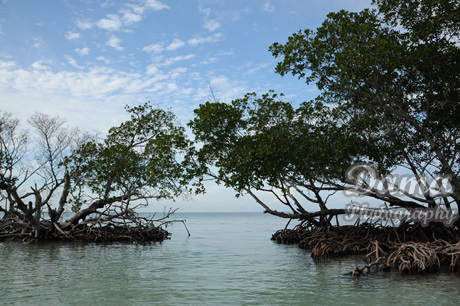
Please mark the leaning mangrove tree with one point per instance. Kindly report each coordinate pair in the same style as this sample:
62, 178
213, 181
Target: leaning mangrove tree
60, 183
388, 102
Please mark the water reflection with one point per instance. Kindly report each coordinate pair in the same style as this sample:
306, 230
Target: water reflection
229, 259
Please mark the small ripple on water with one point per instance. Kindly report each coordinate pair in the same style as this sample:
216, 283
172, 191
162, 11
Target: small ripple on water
228, 260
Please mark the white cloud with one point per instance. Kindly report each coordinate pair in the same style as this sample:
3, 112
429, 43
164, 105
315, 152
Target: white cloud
151, 69
72, 62
268, 7
201, 40
225, 53
101, 83
209, 60
155, 5
171, 86
114, 42
175, 44
103, 59
130, 17
158, 48
7, 64
93, 97
137, 9
176, 72
77, 96
211, 25
111, 23
172, 60
83, 24
96, 82
38, 65
82, 51
257, 67
226, 88
153, 48
205, 11
38, 42
72, 35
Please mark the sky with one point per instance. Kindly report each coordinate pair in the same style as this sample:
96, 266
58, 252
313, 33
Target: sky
84, 60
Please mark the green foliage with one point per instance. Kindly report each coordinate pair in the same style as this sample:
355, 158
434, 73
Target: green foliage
402, 81
263, 140
390, 96
140, 156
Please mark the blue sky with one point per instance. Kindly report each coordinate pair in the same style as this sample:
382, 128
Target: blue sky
84, 60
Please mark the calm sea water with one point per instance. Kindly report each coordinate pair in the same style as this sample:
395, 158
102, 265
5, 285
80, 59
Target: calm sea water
229, 259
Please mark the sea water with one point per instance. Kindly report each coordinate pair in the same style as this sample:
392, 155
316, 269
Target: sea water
228, 259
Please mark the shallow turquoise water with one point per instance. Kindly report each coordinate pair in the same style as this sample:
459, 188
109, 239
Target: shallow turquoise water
229, 259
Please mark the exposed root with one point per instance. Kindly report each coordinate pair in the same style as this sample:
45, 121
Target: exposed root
409, 248
103, 227
111, 233
414, 256
448, 253
334, 241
